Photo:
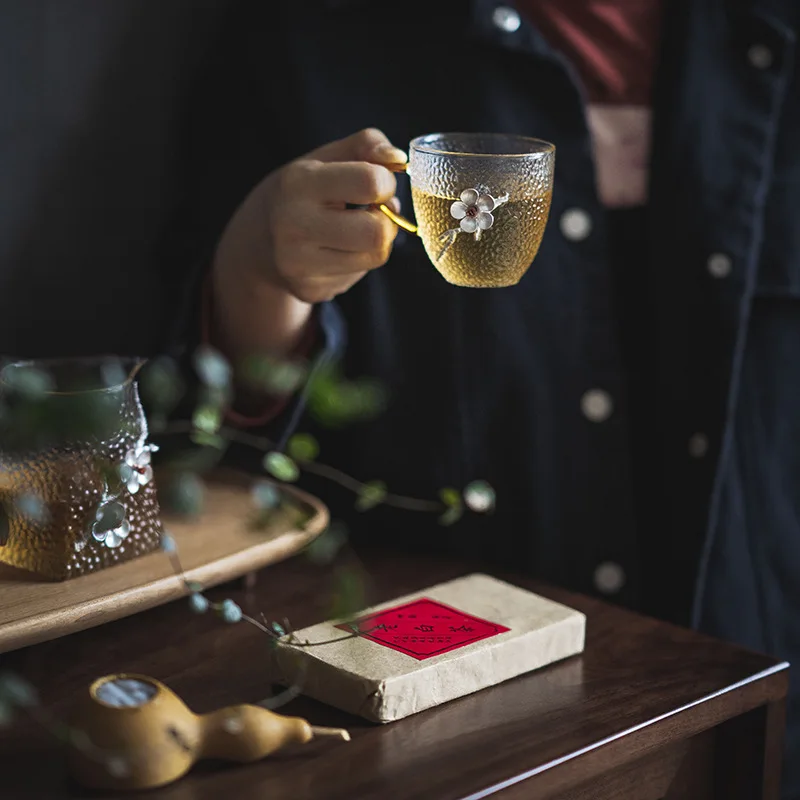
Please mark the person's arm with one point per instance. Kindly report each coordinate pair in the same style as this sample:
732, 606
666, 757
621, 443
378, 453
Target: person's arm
302, 341
293, 244
249, 315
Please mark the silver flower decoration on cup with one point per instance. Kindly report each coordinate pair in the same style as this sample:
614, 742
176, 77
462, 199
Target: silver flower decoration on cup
474, 212
110, 526
137, 470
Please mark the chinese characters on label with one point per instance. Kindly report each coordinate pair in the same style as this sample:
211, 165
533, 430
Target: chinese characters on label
424, 628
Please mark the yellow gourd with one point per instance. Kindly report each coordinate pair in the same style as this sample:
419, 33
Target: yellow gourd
135, 733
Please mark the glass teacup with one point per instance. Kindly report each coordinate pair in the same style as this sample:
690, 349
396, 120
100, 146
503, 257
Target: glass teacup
481, 202
76, 483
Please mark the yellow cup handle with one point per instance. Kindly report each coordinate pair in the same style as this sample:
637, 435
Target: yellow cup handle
398, 219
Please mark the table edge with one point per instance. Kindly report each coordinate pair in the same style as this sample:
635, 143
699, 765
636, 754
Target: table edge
776, 669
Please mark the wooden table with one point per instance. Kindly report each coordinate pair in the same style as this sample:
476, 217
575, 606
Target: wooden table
649, 711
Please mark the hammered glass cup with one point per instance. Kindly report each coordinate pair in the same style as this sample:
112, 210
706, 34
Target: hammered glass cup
76, 484
481, 202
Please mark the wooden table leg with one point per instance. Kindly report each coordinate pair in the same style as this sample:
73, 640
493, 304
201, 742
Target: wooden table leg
749, 751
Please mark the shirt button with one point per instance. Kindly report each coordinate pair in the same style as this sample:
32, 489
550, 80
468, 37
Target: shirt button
609, 577
597, 405
719, 265
506, 19
698, 445
575, 224
759, 56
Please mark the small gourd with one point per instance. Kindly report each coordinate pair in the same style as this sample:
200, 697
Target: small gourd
135, 733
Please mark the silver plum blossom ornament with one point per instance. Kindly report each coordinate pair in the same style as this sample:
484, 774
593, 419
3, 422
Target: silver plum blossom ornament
110, 526
474, 211
137, 470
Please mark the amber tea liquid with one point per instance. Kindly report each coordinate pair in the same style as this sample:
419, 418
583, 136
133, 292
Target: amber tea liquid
503, 253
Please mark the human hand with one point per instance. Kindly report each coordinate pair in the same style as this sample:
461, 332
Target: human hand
295, 231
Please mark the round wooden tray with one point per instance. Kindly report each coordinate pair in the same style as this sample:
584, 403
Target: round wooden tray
214, 548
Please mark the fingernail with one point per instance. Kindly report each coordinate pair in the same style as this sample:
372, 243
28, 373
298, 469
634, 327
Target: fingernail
394, 204
388, 154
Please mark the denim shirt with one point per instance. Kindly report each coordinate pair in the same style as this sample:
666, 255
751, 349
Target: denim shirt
635, 400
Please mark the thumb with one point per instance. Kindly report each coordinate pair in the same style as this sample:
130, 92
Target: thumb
369, 145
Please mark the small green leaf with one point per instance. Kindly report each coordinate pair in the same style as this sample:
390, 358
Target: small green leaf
303, 447
451, 516
370, 398
161, 386
479, 497
212, 367
349, 596
325, 547
450, 497
207, 418
334, 401
230, 612
16, 691
198, 603
109, 516
265, 495
271, 376
209, 440
324, 379
325, 408
280, 466
346, 399
370, 495
182, 493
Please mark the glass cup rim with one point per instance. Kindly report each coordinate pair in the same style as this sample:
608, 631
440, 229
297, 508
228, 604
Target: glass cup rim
419, 145
132, 365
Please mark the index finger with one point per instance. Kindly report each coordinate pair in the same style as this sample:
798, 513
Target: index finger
370, 145
355, 182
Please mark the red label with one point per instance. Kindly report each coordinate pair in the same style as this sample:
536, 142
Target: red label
424, 628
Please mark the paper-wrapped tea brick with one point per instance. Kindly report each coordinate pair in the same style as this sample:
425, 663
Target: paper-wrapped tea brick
430, 647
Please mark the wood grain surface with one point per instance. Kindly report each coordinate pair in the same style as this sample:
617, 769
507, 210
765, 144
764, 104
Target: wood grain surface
648, 712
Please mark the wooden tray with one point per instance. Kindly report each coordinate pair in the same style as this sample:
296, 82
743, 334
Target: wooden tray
213, 549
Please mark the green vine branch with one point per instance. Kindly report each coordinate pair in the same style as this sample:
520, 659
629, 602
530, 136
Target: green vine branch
285, 471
